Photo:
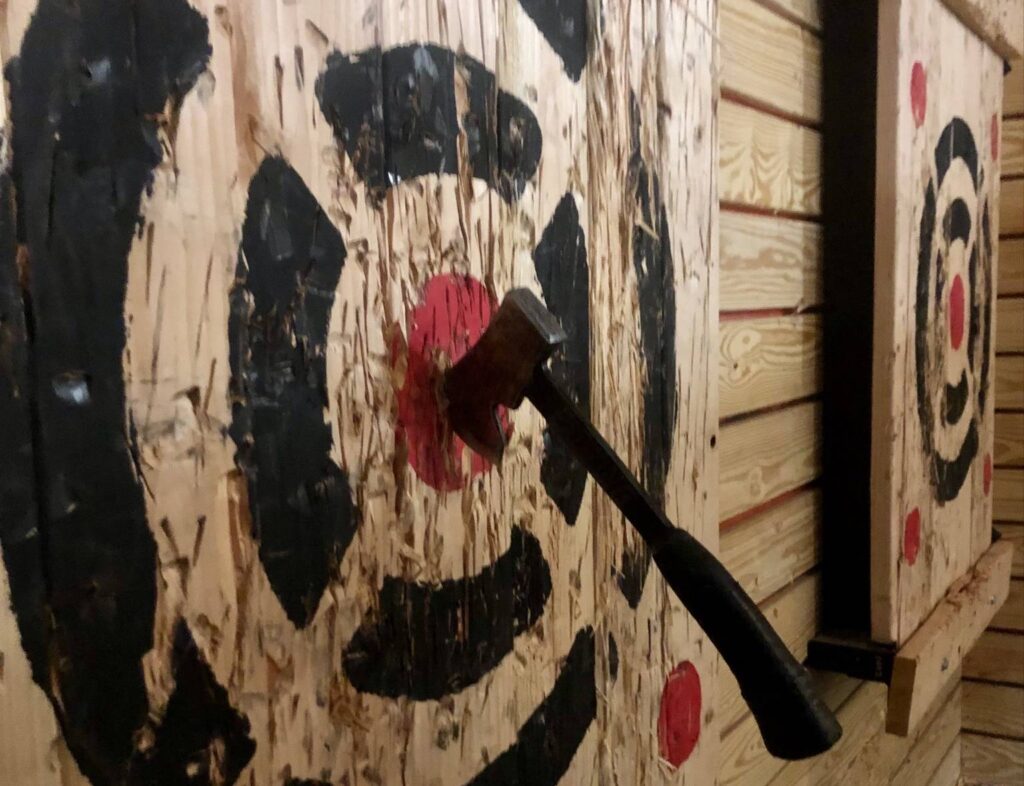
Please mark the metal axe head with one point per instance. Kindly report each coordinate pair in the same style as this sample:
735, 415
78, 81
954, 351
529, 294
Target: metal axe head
496, 370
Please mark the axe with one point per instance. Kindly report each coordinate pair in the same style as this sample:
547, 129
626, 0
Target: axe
507, 365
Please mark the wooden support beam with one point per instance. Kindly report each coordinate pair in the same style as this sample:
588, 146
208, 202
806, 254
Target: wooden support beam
939, 645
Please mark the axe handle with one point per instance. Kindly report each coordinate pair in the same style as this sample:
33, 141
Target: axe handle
794, 722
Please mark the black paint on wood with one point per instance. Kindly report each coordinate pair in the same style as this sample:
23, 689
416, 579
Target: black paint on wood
561, 262
87, 91
563, 23
394, 112
200, 738
288, 268
547, 742
425, 641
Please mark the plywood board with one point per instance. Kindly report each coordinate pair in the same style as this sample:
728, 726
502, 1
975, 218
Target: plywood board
988, 760
258, 230
936, 216
994, 709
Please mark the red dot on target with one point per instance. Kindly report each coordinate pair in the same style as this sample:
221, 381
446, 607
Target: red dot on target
918, 93
912, 536
987, 474
679, 715
956, 312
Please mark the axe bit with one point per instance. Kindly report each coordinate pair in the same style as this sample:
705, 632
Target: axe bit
508, 364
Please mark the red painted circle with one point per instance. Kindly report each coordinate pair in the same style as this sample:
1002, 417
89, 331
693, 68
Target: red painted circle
679, 716
912, 536
956, 312
987, 474
450, 318
994, 136
918, 93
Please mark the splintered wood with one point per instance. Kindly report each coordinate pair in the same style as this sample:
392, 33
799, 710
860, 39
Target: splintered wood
251, 235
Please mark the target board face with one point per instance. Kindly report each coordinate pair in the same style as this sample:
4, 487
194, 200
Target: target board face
938, 181
239, 541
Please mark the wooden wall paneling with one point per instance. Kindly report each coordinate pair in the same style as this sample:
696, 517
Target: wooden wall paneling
997, 657
1009, 382
924, 762
1010, 325
1013, 89
769, 262
766, 162
1014, 533
766, 455
1011, 207
1011, 615
948, 771
768, 360
1011, 145
921, 462
1011, 267
991, 760
770, 61
994, 709
1008, 445
804, 12
1008, 494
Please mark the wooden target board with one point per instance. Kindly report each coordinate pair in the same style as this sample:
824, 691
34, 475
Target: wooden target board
937, 191
239, 242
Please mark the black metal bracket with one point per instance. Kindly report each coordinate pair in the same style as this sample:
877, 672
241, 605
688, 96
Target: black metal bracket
853, 655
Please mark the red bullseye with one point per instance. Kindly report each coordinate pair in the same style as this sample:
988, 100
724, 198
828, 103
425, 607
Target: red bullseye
912, 536
679, 716
918, 93
956, 312
451, 317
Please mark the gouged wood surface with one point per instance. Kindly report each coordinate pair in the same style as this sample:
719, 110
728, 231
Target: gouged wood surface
1010, 324
922, 666
768, 360
769, 262
768, 163
994, 709
770, 60
793, 612
774, 547
1009, 382
1008, 446
1012, 151
765, 455
1008, 494
997, 657
1013, 534
989, 761
1011, 266
1011, 207
1013, 90
998, 22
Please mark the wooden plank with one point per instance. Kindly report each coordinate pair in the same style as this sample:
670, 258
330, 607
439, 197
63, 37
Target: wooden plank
948, 771
1011, 615
1011, 266
1011, 207
766, 361
1013, 534
765, 455
770, 60
768, 163
997, 22
774, 547
1008, 444
805, 12
997, 657
1008, 495
1010, 382
990, 760
994, 709
922, 665
1013, 89
1012, 148
926, 757
769, 262
1010, 324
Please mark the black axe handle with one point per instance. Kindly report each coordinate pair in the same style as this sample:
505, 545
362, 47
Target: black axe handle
794, 722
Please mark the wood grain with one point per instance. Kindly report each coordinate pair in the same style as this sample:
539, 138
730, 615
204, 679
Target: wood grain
1008, 495
992, 761
997, 22
1010, 324
1009, 382
769, 262
1011, 615
805, 12
770, 60
1011, 266
767, 361
1014, 533
994, 709
946, 774
1008, 443
925, 759
766, 455
998, 657
1013, 89
768, 163
1011, 207
1012, 148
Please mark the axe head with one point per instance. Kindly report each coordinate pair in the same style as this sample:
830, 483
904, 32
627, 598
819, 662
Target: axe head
497, 369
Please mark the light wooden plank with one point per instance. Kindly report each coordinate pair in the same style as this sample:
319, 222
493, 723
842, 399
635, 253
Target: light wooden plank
768, 262
1008, 495
772, 548
767, 361
946, 774
998, 657
1012, 147
770, 59
1010, 324
1013, 89
992, 761
1008, 443
1011, 615
997, 22
766, 455
806, 12
922, 665
929, 750
1011, 266
994, 709
1010, 382
767, 162
1014, 534
1011, 207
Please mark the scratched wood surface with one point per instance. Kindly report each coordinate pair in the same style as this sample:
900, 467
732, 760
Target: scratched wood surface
934, 292
320, 206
